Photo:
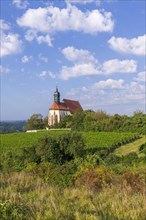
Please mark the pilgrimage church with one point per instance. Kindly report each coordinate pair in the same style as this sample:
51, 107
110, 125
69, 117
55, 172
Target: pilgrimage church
60, 109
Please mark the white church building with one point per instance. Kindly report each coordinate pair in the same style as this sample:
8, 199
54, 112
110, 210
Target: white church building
61, 109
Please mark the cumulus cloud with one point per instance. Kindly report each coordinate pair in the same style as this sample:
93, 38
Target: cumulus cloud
108, 93
21, 4
85, 69
85, 64
109, 84
141, 77
4, 70
135, 46
45, 38
26, 59
119, 66
79, 56
10, 42
42, 23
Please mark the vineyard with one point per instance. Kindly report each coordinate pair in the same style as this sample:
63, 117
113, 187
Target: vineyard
108, 139
97, 140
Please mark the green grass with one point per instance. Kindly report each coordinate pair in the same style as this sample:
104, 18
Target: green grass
131, 147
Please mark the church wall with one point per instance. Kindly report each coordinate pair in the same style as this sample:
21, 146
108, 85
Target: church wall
55, 116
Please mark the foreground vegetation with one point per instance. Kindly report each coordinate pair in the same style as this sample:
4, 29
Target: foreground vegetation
24, 197
72, 176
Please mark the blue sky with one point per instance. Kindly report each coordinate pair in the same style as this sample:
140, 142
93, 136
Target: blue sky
93, 50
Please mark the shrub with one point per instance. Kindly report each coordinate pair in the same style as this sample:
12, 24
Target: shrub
13, 211
130, 159
72, 145
49, 150
94, 178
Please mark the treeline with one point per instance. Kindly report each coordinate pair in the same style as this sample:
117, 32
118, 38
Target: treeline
11, 126
87, 120
100, 121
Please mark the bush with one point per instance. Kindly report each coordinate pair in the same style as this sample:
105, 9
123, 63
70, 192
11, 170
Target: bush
72, 145
130, 159
13, 211
94, 178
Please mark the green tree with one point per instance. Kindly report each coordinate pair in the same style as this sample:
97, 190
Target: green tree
78, 120
94, 121
49, 150
72, 145
35, 122
66, 122
45, 120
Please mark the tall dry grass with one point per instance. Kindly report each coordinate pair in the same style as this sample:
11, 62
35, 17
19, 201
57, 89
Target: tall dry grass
26, 197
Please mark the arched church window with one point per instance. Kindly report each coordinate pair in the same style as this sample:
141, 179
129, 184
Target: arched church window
52, 120
56, 119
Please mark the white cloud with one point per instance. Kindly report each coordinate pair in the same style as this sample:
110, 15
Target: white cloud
45, 73
141, 77
135, 46
26, 59
4, 25
44, 59
32, 34
79, 56
119, 66
85, 69
44, 39
109, 84
85, 64
109, 93
21, 4
52, 75
10, 42
42, 23
4, 70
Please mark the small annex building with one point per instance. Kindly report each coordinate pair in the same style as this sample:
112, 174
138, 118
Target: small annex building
60, 109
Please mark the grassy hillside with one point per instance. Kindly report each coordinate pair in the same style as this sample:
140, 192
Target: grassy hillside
131, 147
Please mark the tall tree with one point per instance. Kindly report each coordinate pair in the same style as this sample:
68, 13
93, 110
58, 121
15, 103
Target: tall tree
35, 122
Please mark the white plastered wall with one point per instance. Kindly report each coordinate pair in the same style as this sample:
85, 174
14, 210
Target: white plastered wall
55, 116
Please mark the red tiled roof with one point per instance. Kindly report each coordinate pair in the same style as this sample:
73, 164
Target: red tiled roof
60, 106
67, 105
72, 105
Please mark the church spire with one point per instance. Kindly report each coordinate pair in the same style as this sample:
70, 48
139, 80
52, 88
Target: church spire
57, 96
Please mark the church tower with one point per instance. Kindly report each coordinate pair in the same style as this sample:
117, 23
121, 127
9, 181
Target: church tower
57, 96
